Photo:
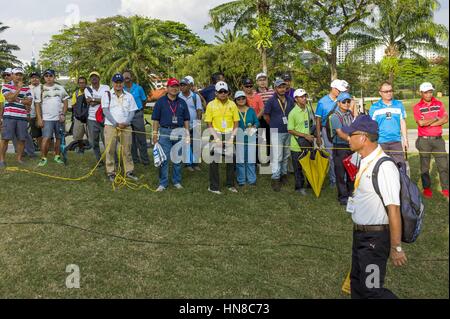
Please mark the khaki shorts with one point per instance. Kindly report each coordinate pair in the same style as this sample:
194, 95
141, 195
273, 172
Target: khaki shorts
79, 130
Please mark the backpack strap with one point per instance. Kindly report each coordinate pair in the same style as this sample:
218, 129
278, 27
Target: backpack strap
375, 172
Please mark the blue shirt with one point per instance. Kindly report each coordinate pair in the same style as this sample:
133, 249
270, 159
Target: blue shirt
251, 119
389, 119
324, 107
194, 103
276, 113
138, 93
337, 121
165, 109
209, 93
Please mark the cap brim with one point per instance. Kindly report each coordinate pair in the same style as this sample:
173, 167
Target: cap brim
348, 130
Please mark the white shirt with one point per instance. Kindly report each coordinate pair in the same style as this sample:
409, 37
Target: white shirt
369, 209
52, 101
96, 94
36, 92
120, 107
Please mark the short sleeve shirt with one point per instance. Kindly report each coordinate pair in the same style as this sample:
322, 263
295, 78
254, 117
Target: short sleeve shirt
165, 110
52, 101
15, 110
277, 111
298, 121
389, 119
120, 107
324, 107
338, 120
423, 111
194, 104
138, 93
96, 94
222, 115
255, 102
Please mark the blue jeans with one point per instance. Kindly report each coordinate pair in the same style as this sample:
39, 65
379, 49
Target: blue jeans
280, 154
167, 144
246, 162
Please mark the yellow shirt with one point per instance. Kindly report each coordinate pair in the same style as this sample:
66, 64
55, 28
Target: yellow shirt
2, 98
222, 116
74, 98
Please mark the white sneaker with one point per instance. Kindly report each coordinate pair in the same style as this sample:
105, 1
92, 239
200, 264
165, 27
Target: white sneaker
233, 189
160, 189
214, 192
178, 186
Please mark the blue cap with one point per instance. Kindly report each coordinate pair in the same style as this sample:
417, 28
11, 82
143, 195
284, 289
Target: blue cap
344, 96
50, 71
363, 123
118, 77
279, 82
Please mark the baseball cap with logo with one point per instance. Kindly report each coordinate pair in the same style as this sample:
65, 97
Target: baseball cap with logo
344, 96
221, 85
190, 79
172, 82
185, 81
118, 77
49, 71
345, 84
7, 71
426, 86
337, 84
247, 82
261, 75
300, 93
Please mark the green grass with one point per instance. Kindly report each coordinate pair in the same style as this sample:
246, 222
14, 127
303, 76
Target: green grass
255, 244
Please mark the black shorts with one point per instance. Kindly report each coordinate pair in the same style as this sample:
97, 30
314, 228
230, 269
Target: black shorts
35, 131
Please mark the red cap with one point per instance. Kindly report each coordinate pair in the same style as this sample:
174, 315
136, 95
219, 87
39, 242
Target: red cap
172, 82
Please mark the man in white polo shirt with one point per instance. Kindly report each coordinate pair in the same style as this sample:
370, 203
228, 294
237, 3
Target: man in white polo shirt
377, 233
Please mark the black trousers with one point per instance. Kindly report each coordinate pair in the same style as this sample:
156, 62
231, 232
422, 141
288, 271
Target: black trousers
139, 150
305, 146
370, 254
214, 172
344, 185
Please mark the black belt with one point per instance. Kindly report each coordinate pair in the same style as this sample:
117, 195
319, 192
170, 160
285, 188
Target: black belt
431, 137
370, 228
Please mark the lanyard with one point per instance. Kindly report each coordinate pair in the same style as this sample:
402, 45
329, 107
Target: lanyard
244, 117
174, 110
281, 106
360, 173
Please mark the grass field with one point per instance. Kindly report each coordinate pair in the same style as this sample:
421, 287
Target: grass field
190, 243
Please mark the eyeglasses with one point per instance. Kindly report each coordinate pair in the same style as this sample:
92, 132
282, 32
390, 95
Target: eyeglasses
241, 98
222, 92
388, 91
48, 75
346, 102
182, 84
248, 86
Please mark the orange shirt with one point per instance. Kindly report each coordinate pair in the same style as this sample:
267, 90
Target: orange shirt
255, 102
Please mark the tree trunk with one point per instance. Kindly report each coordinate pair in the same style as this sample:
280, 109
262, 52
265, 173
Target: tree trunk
391, 76
264, 59
333, 62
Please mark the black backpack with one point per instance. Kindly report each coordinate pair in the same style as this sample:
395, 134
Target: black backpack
328, 128
81, 109
411, 204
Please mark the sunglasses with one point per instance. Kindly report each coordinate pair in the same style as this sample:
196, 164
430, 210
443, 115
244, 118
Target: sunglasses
248, 86
48, 75
241, 98
222, 92
346, 102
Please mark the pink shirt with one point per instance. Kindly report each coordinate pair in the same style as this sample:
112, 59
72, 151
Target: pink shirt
422, 111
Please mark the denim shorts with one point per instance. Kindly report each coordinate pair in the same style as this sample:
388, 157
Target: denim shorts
51, 128
13, 128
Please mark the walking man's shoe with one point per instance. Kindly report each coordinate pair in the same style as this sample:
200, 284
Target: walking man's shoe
276, 186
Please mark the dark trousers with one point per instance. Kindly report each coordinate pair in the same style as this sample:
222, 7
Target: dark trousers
214, 174
305, 147
344, 184
441, 158
139, 139
95, 134
263, 124
370, 254
394, 150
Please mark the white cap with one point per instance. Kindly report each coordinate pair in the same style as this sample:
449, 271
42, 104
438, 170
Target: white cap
345, 84
221, 86
299, 93
8, 70
337, 84
261, 75
425, 87
17, 70
190, 79
239, 94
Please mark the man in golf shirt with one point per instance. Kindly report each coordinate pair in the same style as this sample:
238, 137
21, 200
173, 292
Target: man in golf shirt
325, 106
377, 233
430, 115
390, 115
119, 109
222, 117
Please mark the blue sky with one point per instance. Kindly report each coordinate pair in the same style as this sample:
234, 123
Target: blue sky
46, 17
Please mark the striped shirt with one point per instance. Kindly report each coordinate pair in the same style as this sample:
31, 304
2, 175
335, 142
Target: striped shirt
266, 95
15, 110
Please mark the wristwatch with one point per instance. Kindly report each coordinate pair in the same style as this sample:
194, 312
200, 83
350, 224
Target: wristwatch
398, 249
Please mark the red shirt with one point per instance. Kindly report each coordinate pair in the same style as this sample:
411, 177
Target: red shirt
422, 111
255, 102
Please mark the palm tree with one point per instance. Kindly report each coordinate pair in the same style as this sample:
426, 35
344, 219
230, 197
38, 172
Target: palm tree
228, 36
245, 15
403, 28
7, 59
135, 48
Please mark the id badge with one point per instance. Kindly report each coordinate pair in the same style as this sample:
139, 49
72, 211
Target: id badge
351, 205
174, 120
285, 120
224, 124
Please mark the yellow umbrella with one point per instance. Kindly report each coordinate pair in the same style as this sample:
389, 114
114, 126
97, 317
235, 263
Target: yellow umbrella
315, 167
